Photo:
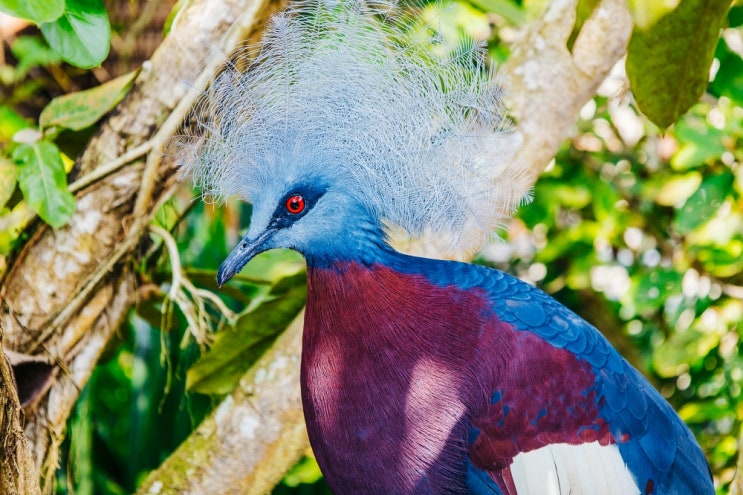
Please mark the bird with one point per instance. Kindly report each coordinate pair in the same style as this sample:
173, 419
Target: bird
354, 120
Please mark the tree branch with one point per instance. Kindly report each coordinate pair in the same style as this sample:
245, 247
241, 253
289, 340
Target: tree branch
549, 84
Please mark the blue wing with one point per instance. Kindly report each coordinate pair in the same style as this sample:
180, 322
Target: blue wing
659, 450
655, 445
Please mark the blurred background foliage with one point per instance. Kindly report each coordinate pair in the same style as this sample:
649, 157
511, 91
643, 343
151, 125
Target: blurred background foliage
637, 229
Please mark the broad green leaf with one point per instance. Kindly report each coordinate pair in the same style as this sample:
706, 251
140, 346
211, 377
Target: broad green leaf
703, 411
604, 202
236, 349
82, 34
36, 11
273, 265
82, 109
646, 13
675, 189
306, 471
721, 261
668, 64
735, 15
704, 203
43, 182
8, 179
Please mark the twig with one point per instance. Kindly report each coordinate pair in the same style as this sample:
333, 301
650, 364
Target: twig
110, 167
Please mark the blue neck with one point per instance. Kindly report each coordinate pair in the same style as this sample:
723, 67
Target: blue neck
365, 244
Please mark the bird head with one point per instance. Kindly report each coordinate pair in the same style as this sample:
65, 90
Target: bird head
349, 122
309, 216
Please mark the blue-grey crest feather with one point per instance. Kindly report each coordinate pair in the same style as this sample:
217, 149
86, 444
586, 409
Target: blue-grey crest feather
358, 94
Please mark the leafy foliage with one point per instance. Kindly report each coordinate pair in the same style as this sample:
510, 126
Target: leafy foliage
78, 30
235, 350
42, 179
35, 11
668, 62
81, 34
76, 111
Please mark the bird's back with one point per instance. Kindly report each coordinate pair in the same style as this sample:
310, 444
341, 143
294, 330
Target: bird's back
423, 376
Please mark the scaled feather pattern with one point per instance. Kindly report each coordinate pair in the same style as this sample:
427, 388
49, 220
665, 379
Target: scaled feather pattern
363, 97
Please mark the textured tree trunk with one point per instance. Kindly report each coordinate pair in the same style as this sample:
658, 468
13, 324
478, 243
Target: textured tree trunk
69, 290
18, 473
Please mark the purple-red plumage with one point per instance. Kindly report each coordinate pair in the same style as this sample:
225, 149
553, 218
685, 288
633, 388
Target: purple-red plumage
381, 395
401, 375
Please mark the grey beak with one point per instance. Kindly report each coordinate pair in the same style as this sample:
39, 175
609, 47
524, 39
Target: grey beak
239, 257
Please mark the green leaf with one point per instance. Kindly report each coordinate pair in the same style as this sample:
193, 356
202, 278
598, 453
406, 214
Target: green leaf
721, 261
8, 179
82, 109
82, 34
306, 471
12, 224
703, 411
735, 15
43, 182
36, 11
668, 64
605, 200
646, 13
704, 203
236, 349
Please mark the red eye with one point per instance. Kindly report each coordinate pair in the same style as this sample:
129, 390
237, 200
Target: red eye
295, 204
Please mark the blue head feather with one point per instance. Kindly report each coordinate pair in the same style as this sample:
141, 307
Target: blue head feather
355, 95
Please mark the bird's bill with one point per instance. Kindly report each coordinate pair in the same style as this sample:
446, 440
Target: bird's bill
241, 255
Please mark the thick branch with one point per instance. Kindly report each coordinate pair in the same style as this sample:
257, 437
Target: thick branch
549, 84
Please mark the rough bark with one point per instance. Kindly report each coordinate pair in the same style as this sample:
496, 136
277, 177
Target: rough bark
18, 473
69, 289
549, 85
